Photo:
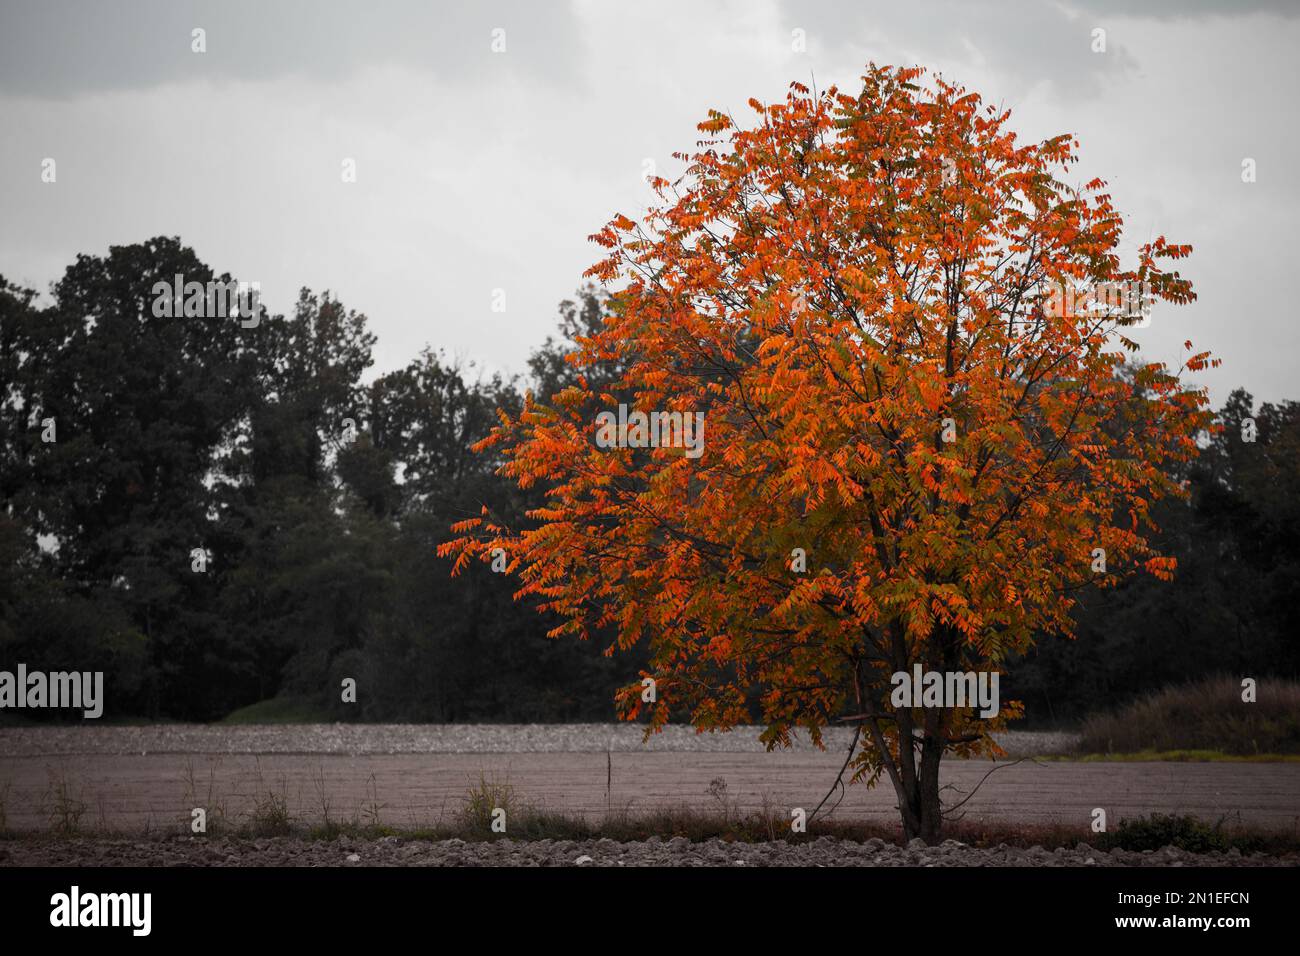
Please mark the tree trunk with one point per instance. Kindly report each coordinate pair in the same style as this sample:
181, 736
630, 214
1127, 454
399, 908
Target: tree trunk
916, 781
918, 793
931, 816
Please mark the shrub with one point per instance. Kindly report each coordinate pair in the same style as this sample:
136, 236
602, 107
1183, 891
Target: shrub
1161, 830
1208, 714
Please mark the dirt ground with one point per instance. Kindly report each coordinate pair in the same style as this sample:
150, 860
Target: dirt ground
133, 779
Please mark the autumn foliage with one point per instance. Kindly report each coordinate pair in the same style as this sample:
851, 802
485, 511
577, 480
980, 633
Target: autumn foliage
855, 290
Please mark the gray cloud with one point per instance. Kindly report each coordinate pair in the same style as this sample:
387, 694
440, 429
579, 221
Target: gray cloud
1186, 9
60, 48
1032, 41
480, 172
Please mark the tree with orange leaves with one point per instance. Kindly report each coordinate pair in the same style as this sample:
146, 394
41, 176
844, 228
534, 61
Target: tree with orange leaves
924, 426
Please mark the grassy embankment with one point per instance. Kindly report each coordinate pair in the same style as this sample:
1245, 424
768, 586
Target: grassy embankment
1202, 720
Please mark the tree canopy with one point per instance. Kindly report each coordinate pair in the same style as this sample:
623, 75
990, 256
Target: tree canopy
871, 298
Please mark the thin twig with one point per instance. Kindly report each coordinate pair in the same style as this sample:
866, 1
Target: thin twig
839, 777
1001, 766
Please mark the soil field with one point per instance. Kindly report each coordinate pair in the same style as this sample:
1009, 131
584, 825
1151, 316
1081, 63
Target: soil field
137, 779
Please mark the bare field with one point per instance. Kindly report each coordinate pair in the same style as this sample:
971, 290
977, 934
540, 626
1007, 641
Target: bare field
147, 778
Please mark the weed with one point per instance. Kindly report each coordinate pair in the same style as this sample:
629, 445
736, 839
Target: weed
322, 794
60, 805
484, 799
270, 815
372, 809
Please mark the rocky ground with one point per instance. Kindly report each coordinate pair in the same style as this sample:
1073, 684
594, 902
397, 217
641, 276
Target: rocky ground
352, 739
677, 852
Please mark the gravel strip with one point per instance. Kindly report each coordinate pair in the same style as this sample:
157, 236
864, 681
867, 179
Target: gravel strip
676, 852
358, 739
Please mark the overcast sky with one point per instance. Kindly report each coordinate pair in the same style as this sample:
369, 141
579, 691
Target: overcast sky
478, 170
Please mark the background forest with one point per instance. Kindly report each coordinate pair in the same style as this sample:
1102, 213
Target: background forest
319, 495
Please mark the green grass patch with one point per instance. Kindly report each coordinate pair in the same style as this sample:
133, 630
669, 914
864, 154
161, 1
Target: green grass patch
280, 710
1175, 756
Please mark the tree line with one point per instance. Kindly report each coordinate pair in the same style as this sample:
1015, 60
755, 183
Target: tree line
216, 513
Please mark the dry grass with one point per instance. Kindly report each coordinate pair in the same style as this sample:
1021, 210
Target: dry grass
269, 816
63, 802
1208, 715
532, 823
